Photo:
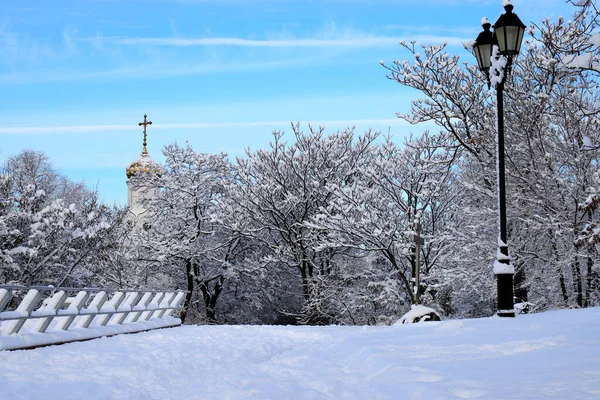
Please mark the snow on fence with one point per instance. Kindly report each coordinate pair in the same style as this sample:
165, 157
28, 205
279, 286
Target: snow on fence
38, 315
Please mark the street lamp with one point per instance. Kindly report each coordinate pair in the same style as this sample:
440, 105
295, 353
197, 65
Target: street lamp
494, 53
483, 47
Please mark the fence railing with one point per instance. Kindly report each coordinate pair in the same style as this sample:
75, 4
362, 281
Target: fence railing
37, 316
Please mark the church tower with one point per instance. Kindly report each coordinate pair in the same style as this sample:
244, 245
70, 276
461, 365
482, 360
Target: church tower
141, 171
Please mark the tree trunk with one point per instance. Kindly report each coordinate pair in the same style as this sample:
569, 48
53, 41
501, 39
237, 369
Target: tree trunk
305, 283
559, 272
576, 271
589, 279
190, 289
210, 299
577, 284
563, 287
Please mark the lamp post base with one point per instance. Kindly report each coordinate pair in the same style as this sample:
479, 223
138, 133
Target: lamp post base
506, 313
505, 295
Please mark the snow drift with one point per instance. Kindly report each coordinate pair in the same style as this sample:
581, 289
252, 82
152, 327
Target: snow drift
550, 355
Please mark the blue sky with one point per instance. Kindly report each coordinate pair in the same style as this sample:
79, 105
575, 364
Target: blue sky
76, 76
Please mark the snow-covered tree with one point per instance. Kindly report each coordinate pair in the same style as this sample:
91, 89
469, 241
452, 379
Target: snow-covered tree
44, 239
277, 192
374, 215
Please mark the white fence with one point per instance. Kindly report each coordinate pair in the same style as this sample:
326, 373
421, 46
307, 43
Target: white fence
37, 315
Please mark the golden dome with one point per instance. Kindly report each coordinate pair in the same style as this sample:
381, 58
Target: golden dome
143, 165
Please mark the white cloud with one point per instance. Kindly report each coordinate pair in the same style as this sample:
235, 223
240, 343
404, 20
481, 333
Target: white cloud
358, 41
57, 130
146, 71
138, 58
69, 36
17, 47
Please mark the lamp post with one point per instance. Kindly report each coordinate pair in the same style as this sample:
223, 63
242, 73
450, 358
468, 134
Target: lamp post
495, 52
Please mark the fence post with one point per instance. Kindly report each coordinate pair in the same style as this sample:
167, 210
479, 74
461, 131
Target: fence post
94, 308
50, 308
164, 303
153, 304
130, 301
175, 303
133, 317
5, 298
31, 299
75, 307
114, 303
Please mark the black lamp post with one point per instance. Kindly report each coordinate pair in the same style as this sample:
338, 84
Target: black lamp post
507, 36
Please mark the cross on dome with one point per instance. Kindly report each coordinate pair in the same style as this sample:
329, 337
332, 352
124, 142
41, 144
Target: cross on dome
145, 124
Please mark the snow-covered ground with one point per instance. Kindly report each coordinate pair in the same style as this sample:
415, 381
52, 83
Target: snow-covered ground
549, 355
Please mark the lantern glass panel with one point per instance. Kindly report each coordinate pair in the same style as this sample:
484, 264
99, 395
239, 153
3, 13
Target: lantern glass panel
483, 53
509, 39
